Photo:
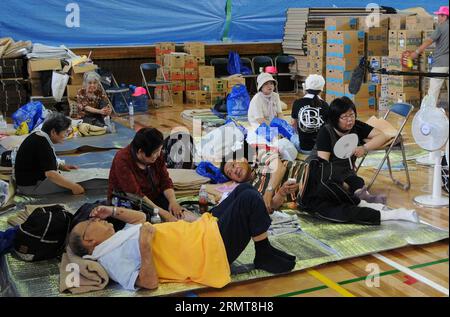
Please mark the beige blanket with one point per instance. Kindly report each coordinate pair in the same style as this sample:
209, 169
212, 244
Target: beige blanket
93, 276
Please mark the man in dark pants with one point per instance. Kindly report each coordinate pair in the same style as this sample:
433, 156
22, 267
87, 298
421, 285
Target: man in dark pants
243, 216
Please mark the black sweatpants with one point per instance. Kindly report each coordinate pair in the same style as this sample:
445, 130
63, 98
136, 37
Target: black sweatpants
241, 216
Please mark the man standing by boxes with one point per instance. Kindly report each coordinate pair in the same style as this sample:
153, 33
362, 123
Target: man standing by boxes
440, 54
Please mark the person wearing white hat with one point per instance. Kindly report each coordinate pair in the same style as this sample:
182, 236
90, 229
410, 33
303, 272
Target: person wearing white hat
440, 53
266, 104
310, 112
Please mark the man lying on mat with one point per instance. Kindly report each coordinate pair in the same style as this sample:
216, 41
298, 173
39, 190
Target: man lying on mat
36, 167
142, 254
140, 169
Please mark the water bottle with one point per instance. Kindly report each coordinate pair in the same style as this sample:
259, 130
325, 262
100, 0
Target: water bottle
203, 199
155, 218
430, 62
115, 201
131, 108
13, 156
3, 124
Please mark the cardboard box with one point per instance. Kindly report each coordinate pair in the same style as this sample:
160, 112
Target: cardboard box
373, 21
173, 73
192, 85
336, 63
76, 79
404, 83
317, 63
316, 50
191, 61
316, 38
36, 87
395, 63
393, 40
385, 79
426, 35
365, 103
191, 73
417, 22
178, 85
195, 48
215, 97
345, 44
397, 21
84, 68
335, 89
72, 91
214, 85
164, 48
174, 60
377, 41
177, 97
367, 90
341, 23
162, 96
36, 65
197, 97
338, 76
206, 72
409, 40
384, 104
235, 80
413, 98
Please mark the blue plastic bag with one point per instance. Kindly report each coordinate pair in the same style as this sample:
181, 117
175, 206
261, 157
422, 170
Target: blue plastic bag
140, 103
31, 113
284, 128
265, 131
7, 239
238, 101
235, 65
207, 169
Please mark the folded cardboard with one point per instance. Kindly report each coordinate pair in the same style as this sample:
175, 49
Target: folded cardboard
36, 65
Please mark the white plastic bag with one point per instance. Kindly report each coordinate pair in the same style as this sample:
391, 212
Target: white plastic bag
59, 83
287, 150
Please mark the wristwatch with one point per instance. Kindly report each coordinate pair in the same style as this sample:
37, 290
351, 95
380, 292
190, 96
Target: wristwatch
269, 188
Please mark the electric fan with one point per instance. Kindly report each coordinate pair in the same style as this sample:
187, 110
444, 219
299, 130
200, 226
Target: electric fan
430, 131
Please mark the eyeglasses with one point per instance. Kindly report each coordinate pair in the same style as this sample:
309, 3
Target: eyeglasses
348, 117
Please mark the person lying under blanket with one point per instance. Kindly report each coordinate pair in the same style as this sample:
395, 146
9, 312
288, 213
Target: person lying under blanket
141, 254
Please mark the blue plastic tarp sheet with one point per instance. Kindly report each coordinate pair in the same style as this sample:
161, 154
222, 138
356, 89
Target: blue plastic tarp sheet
126, 22
115, 22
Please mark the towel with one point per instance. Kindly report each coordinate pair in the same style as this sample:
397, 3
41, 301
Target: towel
93, 276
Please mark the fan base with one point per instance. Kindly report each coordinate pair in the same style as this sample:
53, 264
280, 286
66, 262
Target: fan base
430, 201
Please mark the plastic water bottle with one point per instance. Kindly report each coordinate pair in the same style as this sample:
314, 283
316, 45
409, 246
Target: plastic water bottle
131, 108
3, 124
430, 62
203, 199
155, 218
13, 156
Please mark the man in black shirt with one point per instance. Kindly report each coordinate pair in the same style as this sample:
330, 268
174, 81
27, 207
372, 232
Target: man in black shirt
36, 165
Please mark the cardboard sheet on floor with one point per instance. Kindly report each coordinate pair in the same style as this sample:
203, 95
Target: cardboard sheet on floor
318, 242
101, 159
108, 141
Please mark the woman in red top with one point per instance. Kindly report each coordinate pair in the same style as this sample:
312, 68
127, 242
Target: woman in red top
140, 169
93, 104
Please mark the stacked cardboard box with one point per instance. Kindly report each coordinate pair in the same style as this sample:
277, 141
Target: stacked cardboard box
76, 73
344, 49
35, 66
417, 22
316, 44
13, 87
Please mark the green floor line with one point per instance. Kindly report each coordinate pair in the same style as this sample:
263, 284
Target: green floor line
358, 279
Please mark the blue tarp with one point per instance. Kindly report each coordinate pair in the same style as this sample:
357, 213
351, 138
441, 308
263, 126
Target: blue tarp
127, 22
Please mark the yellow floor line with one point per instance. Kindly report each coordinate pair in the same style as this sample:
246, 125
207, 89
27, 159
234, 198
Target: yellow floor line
331, 284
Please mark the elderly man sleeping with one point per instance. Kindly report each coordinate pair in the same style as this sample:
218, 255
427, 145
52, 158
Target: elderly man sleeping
142, 254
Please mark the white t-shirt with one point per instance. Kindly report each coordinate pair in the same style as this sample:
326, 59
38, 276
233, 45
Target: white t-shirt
263, 107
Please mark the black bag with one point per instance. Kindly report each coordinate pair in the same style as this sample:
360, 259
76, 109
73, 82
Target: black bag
43, 235
444, 173
179, 150
6, 159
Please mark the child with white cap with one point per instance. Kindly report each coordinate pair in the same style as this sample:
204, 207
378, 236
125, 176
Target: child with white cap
266, 104
310, 112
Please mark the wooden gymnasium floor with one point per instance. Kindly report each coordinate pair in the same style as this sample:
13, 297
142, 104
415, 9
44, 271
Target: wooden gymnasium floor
415, 271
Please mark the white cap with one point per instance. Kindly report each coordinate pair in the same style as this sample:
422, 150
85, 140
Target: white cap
264, 78
314, 82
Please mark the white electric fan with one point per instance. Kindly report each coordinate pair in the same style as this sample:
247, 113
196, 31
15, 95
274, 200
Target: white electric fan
430, 131
345, 147
427, 159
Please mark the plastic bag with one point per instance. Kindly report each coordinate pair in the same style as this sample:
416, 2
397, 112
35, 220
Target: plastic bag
207, 169
31, 113
59, 83
235, 65
238, 101
284, 128
287, 150
265, 131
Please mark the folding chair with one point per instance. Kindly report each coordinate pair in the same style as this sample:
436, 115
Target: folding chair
248, 63
282, 64
152, 70
220, 66
403, 110
111, 87
260, 62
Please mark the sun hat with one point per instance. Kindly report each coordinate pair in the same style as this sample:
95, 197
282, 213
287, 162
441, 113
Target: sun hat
264, 78
442, 10
314, 82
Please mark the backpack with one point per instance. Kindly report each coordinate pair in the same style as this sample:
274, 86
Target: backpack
179, 150
43, 235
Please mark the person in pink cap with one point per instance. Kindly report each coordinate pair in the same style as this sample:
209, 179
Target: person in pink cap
440, 54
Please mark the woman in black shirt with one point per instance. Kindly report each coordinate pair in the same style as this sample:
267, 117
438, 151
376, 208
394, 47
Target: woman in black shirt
334, 190
36, 166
